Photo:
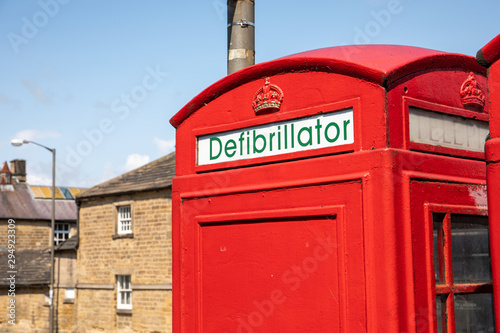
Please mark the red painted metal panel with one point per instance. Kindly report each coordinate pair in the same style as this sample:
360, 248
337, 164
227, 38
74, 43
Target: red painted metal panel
257, 265
434, 91
444, 109
273, 274
490, 53
492, 148
178, 308
305, 94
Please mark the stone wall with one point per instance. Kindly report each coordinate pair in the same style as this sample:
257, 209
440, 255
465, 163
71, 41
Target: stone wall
33, 235
145, 255
31, 310
32, 303
65, 278
151, 311
64, 312
65, 266
32, 307
96, 310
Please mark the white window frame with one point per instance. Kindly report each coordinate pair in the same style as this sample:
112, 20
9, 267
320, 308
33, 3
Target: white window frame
69, 293
69, 296
59, 231
124, 292
124, 219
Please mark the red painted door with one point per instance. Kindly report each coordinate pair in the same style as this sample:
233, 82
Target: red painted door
452, 265
275, 260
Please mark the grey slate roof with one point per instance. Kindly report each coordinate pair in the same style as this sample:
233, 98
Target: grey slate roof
68, 244
17, 202
32, 267
155, 175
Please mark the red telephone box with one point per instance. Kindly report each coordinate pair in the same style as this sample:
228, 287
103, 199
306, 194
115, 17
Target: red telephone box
336, 190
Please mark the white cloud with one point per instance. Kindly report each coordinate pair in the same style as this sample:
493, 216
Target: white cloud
31, 134
164, 146
38, 179
39, 174
134, 161
109, 171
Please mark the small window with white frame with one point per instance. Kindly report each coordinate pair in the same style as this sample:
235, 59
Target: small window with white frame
124, 220
124, 292
61, 232
69, 296
69, 293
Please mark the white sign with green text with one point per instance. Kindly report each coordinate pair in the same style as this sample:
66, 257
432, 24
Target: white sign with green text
314, 132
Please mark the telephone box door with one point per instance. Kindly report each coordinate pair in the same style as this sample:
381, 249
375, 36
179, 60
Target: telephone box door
274, 260
453, 283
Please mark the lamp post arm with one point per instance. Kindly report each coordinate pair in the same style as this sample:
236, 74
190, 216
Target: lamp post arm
36, 143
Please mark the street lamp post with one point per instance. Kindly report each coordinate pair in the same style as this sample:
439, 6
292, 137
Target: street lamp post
18, 143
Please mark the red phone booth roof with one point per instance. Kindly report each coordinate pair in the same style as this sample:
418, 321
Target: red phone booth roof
380, 64
490, 53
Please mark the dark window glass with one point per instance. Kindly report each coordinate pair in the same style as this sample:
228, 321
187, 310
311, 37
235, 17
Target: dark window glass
441, 313
461, 250
66, 193
474, 313
438, 237
470, 249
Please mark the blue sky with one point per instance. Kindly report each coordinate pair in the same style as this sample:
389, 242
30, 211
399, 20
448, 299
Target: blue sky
99, 80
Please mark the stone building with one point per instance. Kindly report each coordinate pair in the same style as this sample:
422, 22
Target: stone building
25, 242
125, 252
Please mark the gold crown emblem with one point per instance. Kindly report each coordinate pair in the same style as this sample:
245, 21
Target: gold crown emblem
268, 98
471, 94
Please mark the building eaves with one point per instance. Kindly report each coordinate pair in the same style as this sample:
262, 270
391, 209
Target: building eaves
69, 244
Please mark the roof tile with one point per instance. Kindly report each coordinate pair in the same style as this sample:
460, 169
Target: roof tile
19, 203
32, 267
